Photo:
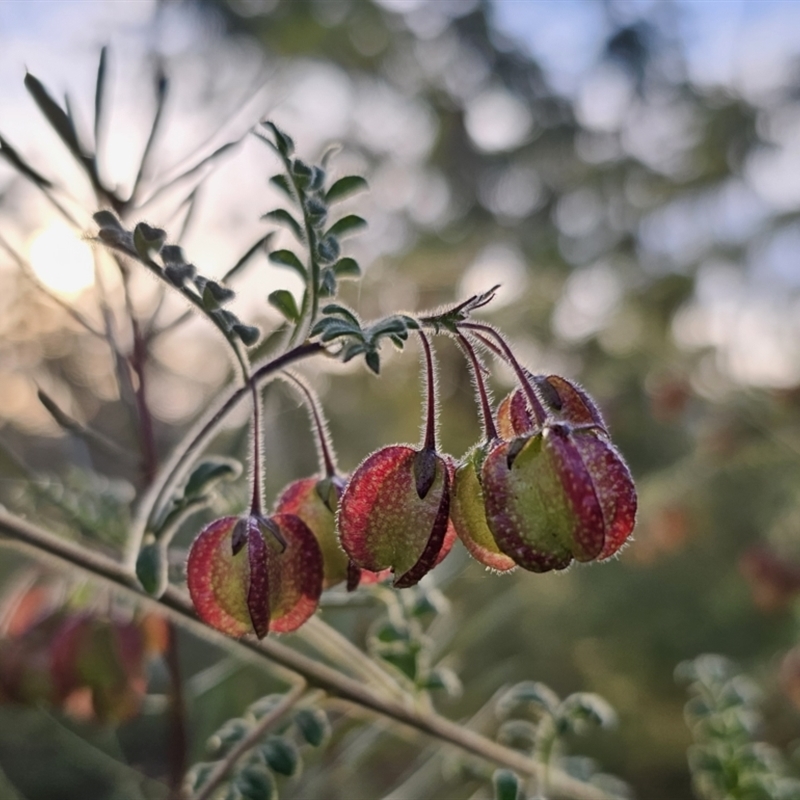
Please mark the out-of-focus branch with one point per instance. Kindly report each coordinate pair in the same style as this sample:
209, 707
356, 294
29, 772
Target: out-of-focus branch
174, 603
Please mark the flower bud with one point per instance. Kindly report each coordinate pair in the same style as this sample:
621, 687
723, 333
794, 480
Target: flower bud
559, 494
394, 512
254, 574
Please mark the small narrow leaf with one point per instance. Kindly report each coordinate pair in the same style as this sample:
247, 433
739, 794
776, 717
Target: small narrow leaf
255, 782
281, 182
327, 286
347, 226
347, 268
506, 785
282, 217
214, 294
207, 474
283, 141
147, 240
373, 361
342, 311
284, 301
249, 334
281, 755
344, 187
106, 219
286, 258
313, 725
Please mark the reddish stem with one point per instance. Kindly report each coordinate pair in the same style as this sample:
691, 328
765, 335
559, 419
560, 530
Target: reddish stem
488, 422
328, 461
430, 423
255, 503
537, 408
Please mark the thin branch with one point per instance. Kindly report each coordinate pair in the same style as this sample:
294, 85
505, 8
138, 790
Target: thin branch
179, 607
28, 273
175, 468
85, 432
220, 772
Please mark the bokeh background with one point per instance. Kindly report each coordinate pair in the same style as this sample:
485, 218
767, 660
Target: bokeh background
629, 172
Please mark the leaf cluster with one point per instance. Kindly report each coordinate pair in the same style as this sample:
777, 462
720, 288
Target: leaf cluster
727, 760
277, 754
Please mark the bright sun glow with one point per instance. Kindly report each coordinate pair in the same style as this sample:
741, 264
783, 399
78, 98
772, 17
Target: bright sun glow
61, 260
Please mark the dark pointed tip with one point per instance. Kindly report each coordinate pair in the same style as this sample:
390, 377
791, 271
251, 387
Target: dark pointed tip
268, 524
425, 471
514, 449
353, 576
239, 535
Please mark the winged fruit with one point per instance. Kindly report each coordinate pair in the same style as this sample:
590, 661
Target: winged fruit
254, 574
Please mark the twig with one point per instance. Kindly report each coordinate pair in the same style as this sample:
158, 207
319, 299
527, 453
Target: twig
175, 468
42, 543
222, 769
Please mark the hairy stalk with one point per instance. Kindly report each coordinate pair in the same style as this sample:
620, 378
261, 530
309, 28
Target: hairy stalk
327, 459
174, 470
430, 422
220, 772
174, 603
255, 502
537, 408
489, 429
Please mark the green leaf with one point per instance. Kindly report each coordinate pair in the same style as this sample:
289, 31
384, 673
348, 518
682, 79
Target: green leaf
347, 226
199, 774
528, 692
99, 91
215, 294
373, 361
282, 217
208, 473
286, 258
342, 311
231, 733
338, 328
106, 219
284, 301
387, 326
282, 183
313, 725
353, 350
328, 249
506, 785
327, 285
281, 755
255, 782
347, 268
249, 334
264, 705
151, 568
261, 244
283, 141
344, 187
147, 240
586, 707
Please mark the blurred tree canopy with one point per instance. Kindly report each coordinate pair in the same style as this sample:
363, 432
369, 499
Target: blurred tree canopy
643, 227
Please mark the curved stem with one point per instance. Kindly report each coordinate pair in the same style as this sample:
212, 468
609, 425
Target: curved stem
430, 422
255, 503
174, 603
327, 459
175, 468
489, 428
537, 408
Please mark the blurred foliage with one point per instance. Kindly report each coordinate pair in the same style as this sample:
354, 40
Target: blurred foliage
621, 242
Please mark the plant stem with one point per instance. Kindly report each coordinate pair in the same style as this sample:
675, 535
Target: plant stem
430, 422
489, 429
175, 468
537, 408
179, 607
328, 462
222, 769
